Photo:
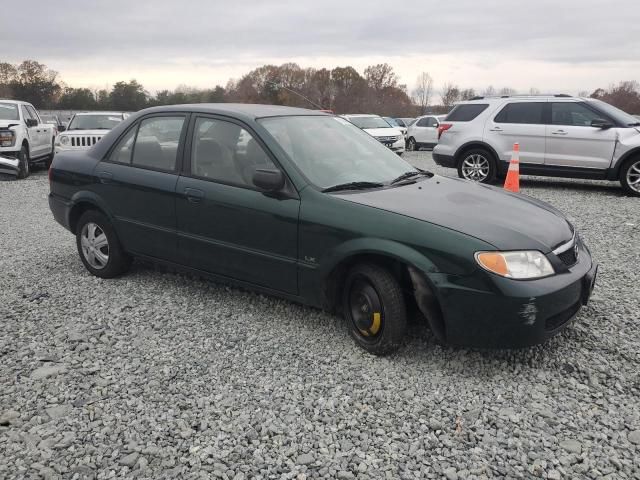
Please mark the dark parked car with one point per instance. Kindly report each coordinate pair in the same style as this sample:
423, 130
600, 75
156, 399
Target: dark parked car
305, 205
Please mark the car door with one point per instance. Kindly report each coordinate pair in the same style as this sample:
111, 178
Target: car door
573, 142
226, 226
431, 131
33, 133
519, 122
44, 141
137, 182
419, 130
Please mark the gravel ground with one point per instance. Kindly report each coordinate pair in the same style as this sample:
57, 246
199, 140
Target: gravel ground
158, 375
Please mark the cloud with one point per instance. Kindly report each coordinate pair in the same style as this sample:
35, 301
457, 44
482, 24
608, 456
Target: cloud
213, 37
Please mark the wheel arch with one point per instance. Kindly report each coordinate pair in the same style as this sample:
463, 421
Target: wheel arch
409, 267
83, 201
617, 169
476, 144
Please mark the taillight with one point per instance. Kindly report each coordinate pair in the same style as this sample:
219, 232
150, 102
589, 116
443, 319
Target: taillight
443, 128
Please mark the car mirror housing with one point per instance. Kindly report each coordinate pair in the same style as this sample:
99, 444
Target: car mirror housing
268, 179
600, 123
31, 122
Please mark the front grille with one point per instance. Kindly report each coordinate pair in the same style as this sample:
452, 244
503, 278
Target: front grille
84, 140
387, 139
569, 257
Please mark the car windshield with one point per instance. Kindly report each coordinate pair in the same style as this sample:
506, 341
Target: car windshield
94, 122
618, 115
330, 151
369, 122
9, 111
391, 121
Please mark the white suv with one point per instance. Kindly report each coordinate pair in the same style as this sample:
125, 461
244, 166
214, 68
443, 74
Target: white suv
423, 132
379, 129
559, 136
86, 129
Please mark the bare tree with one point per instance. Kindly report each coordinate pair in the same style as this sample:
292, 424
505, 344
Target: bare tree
489, 91
450, 94
508, 91
467, 94
534, 91
423, 91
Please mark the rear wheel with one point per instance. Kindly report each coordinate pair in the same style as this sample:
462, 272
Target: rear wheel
98, 246
375, 309
630, 176
477, 165
24, 162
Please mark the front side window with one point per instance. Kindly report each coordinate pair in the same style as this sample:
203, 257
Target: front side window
432, 122
572, 114
9, 111
521, 112
33, 112
156, 144
26, 114
225, 152
124, 149
423, 122
331, 151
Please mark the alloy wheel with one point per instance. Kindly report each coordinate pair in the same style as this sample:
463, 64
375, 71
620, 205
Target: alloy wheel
476, 167
633, 176
95, 245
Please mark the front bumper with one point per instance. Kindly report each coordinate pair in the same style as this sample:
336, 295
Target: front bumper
9, 166
488, 311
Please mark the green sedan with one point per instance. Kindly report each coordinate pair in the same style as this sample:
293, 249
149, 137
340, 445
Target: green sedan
306, 206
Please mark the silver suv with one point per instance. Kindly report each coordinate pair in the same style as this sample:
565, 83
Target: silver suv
559, 136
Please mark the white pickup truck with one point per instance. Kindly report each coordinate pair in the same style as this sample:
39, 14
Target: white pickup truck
24, 138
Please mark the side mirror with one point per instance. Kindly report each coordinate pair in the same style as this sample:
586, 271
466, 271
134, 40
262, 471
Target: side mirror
32, 122
600, 123
436, 125
268, 179
61, 128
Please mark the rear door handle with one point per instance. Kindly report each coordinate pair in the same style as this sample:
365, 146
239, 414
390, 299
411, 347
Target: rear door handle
105, 177
194, 195
495, 129
559, 132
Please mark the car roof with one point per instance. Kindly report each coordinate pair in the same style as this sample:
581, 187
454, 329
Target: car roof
98, 113
361, 115
246, 110
16, 102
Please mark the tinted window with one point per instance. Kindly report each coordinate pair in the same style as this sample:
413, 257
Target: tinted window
574, 114
156, 144
122, 152
33, 113
25, 113
466, 112
432, 122
423, 122
524, 112
226, 152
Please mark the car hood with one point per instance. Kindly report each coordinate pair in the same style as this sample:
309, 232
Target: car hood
9, 123
505, 220
383, 132
86, 132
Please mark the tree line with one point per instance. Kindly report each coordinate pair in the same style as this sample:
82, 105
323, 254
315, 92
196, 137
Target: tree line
342, 89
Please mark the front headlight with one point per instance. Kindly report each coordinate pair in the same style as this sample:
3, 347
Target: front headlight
7, 138
522, 265
63, 140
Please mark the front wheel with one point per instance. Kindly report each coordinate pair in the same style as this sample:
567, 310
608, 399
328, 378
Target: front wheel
98, 246
412, 145
24, 163
477, 165
630, 176
374, 307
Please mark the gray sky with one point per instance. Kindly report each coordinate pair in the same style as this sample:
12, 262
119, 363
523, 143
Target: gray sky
554, 45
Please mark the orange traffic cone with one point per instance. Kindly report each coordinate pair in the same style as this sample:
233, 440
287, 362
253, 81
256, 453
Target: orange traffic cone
512, 182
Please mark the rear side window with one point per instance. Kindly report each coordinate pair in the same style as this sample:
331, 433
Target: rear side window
521, 112
466, 112
156, 144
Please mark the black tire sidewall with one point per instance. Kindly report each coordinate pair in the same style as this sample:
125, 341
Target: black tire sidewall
623, 177
24, 163
119, 261
413, 146
393, 309
493, 167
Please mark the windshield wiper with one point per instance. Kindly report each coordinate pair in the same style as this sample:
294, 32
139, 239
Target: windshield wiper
413, 173
636, 124
353, 186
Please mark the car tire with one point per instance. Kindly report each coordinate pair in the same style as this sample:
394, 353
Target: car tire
49, 158
24, 165
412, 145
102, 256
477, 165
630, 176
374, 308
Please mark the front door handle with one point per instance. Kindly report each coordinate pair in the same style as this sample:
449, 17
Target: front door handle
105, 177
559, 132
495, 129
194, 195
